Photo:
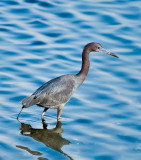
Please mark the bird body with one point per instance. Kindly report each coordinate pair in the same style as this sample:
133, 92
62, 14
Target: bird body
55, 93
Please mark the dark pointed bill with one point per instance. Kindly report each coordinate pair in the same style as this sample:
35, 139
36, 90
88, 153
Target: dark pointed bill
108, 52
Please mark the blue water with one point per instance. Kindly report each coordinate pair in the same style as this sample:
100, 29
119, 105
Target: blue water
40, 40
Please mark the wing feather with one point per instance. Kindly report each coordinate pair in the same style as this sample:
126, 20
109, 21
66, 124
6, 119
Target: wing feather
52, 93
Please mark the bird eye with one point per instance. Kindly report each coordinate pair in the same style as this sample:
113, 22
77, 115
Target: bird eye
98, 47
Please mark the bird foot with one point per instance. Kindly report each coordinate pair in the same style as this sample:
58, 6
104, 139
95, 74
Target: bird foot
58, 119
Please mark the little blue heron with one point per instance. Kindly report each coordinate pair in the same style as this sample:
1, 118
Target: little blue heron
55, 93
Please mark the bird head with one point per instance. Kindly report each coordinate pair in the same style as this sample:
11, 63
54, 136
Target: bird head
97, 47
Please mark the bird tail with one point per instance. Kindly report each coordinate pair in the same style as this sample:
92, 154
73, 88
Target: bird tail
29, 101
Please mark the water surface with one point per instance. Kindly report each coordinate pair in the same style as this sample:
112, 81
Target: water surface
40, 40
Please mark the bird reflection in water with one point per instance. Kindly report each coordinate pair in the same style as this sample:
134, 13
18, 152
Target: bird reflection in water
52, 138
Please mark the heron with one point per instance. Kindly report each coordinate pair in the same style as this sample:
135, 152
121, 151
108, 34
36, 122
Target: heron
55, 93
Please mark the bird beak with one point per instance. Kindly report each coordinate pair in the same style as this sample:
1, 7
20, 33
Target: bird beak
108, 52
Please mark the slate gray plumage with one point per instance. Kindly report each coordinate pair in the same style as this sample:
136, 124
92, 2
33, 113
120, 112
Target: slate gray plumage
57, 92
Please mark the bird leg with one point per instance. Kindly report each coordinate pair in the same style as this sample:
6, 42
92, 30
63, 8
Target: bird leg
44, 113
59, 111
44, 124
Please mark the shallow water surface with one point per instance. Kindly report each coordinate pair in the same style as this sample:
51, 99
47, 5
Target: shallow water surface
40, 40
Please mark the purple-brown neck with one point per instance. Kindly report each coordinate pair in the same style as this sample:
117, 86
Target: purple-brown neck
85, 63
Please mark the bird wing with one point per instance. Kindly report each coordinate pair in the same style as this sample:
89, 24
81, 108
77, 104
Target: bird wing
56, 91
28, 101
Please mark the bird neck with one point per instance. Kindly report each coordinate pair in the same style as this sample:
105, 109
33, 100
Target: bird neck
85, 64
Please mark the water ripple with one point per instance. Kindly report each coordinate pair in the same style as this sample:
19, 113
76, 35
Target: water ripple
41, 40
